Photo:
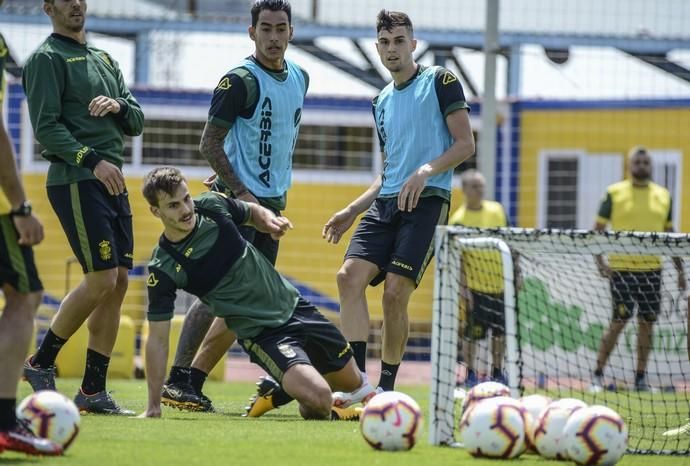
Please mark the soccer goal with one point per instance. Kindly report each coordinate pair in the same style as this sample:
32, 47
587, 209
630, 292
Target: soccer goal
558, 305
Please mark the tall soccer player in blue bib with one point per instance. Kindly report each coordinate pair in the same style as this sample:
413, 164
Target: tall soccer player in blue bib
424, 130
248, 140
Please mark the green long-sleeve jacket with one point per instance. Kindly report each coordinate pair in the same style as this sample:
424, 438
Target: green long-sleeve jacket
60, 79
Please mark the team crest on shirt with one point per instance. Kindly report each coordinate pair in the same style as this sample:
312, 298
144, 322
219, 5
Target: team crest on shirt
448, 78
224, 84
287, 351
151, 281
105, 250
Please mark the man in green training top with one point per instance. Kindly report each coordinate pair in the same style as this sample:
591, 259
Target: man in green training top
81, 109
202, 251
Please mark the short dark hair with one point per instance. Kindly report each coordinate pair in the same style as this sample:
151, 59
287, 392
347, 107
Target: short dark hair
272, 5
637, 150
165, 179
391, 19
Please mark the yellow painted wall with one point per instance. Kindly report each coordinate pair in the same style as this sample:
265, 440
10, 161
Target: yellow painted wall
304, 255
54, 253
598, 131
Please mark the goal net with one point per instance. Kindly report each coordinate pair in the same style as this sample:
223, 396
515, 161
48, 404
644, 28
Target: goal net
558, 306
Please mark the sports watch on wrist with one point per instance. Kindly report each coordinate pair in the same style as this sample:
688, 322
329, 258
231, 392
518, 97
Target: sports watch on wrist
24, 210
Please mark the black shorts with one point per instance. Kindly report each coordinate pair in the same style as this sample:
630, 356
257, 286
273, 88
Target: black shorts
98, 226
488, 312
17, 266
643, 288
306, 338
398, 242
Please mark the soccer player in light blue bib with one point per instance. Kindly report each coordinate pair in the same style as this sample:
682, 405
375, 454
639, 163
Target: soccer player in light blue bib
424, 130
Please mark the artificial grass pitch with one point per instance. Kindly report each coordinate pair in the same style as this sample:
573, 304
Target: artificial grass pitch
279, 438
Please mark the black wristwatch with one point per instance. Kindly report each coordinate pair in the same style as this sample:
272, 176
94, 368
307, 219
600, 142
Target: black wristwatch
24, 210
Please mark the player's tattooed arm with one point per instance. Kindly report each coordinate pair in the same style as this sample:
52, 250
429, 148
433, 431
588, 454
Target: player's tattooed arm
211, 147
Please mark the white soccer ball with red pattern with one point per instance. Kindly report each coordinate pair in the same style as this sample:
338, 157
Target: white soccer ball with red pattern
549, 437
50, 415
534, 404
483, 391
494, 428
596, 436
391, 421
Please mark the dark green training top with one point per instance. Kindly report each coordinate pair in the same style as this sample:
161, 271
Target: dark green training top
60, 79
217, 265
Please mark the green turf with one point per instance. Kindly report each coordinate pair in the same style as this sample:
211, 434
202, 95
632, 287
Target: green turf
225, 438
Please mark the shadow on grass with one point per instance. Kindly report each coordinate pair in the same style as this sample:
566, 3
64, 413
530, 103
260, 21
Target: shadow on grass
19, 460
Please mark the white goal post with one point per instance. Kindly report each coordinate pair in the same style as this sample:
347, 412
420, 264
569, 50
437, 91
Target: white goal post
554, 323
445, 328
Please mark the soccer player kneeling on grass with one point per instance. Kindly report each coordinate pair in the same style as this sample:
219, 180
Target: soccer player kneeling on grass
202, 252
